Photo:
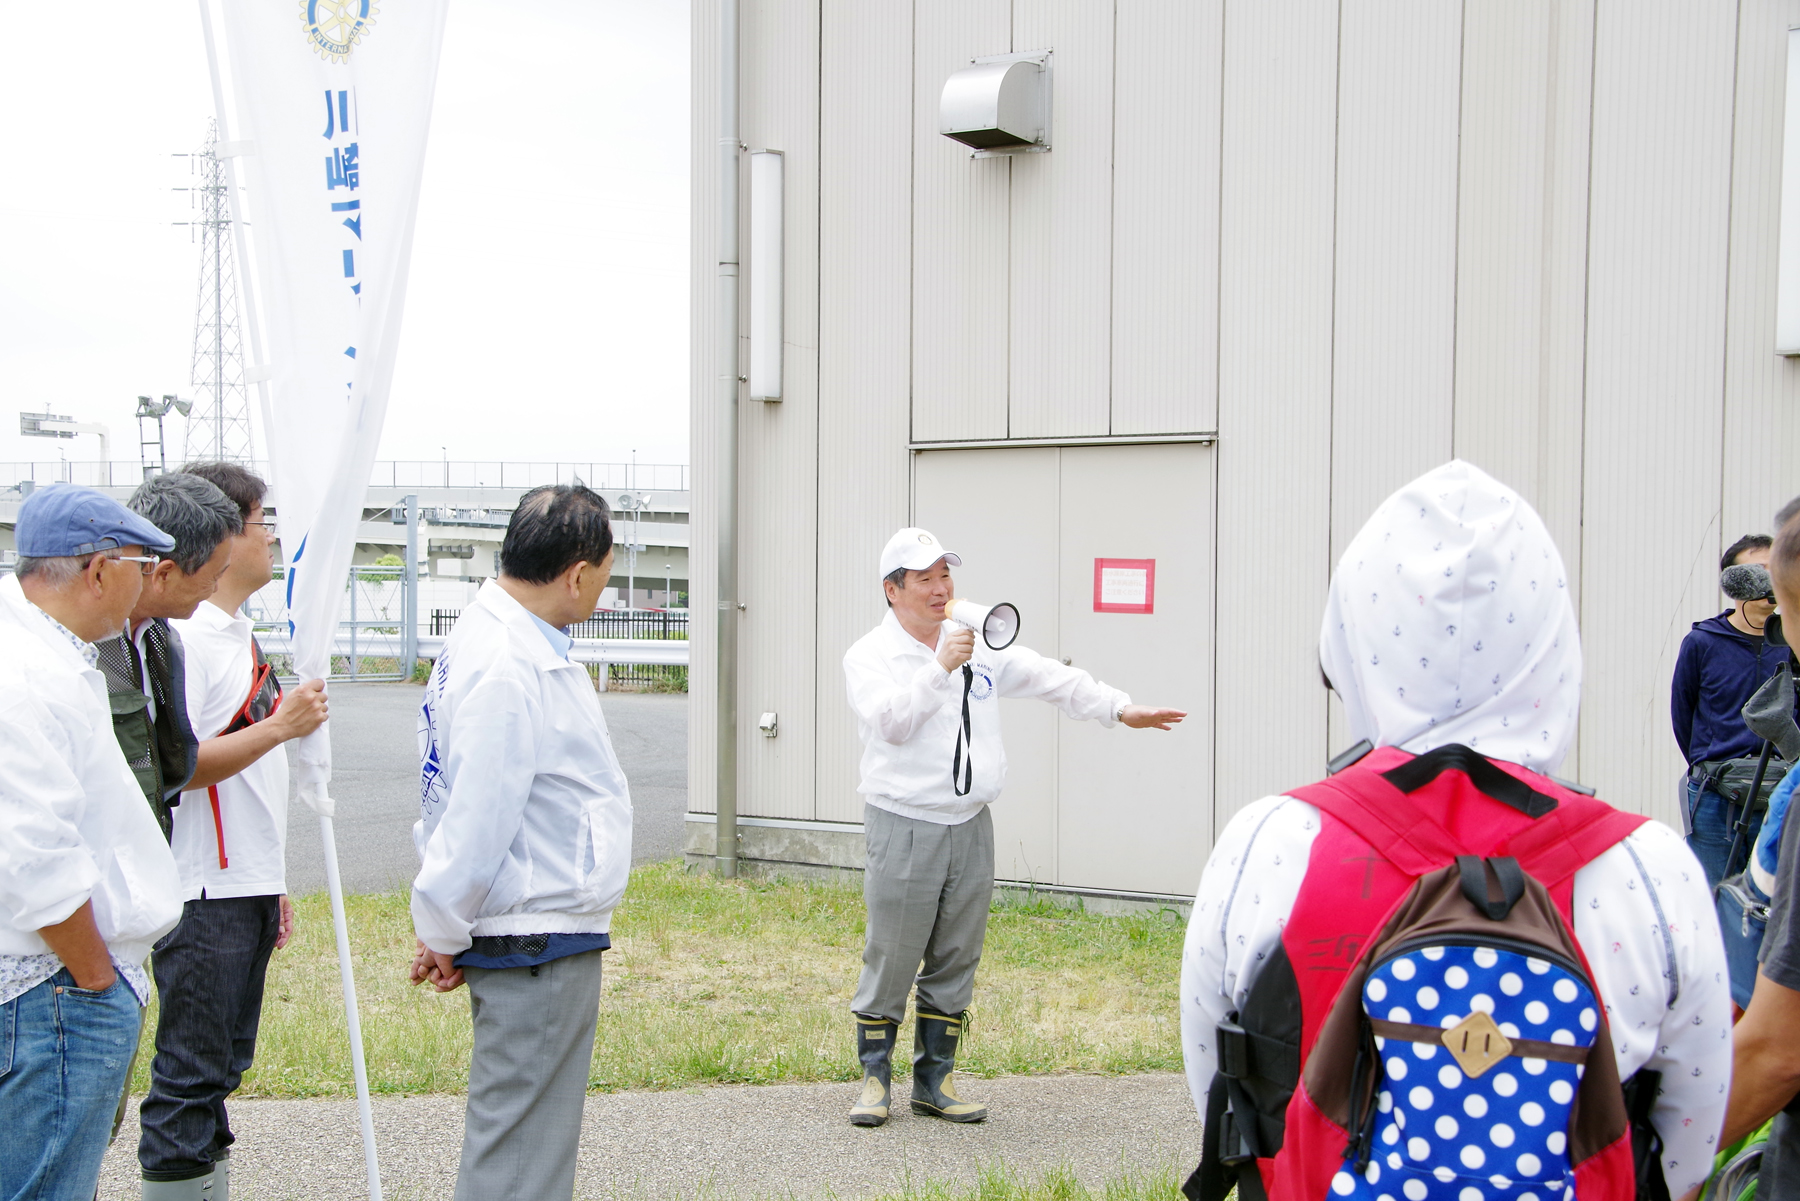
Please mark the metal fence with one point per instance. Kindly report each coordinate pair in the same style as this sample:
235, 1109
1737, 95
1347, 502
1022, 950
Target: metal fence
641, 625
390, 473
371, 642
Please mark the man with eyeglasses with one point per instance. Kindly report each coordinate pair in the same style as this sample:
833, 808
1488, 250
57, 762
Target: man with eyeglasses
87, 883
145, 675
230, 844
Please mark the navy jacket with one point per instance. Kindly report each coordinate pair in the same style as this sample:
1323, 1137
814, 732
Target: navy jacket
1716, 672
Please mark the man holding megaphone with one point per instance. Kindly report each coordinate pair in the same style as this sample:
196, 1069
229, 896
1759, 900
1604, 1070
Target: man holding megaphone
925, 685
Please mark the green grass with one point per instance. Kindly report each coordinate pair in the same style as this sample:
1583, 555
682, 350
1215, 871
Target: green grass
743, 981
999, 1183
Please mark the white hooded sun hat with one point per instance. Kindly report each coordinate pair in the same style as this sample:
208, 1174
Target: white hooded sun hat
1449, 620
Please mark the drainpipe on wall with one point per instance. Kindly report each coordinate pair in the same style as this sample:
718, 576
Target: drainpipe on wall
725, 726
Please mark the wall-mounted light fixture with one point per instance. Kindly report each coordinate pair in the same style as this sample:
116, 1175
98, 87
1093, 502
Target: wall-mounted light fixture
999, 105
765, 274
1787, 262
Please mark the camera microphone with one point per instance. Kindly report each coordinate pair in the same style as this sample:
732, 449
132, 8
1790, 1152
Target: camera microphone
1747, 582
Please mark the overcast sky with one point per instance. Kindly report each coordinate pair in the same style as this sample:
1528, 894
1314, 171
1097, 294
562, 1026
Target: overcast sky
564, 338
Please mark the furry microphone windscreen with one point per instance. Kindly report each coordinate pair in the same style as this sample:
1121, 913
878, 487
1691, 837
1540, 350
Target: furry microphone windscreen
1746, 581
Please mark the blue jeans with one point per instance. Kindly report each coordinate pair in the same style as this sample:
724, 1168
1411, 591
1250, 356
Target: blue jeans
209, 982
1711, 822
64, 1056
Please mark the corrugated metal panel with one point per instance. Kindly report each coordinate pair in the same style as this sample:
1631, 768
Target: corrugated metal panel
1563, 373
1500, 237
1521, 279
704, 428
778, 443
1394, 357
1165, 278
865, 357
960, 235
1013, 560
1762, 389
1656, 318
1133, 810
1061, 378
1274, 452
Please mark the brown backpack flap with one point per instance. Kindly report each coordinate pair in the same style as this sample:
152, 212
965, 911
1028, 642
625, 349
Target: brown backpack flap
1439, 908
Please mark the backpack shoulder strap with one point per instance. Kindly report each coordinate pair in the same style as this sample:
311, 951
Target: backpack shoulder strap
1562, 842
1552, 848
1392, 822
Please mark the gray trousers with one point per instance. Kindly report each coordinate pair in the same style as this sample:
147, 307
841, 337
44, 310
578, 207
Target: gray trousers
528, 1076
927, 888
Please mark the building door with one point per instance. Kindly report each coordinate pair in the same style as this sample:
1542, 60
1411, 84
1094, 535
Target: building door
1084, 806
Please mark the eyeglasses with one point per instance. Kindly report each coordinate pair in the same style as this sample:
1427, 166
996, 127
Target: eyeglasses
146, 563
268, 527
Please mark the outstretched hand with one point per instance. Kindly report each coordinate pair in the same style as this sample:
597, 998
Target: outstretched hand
1143, 717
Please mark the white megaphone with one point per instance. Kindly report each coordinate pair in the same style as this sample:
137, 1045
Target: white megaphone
998, 624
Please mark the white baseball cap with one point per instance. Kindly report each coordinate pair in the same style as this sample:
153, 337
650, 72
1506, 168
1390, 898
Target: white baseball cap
915, 550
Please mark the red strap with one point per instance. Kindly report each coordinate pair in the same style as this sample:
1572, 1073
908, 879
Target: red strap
1402, 831
212, 790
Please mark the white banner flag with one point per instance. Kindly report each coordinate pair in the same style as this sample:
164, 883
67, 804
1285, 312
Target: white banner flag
334, 102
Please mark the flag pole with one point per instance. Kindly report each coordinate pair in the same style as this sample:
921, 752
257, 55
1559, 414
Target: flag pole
339, 924
322, 802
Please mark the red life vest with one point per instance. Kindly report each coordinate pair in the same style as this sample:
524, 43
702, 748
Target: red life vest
1375, 842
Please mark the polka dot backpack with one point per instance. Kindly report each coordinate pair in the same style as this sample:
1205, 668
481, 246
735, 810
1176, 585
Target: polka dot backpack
1471, 1030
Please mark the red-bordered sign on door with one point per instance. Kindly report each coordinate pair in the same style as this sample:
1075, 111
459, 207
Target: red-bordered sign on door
1124, 585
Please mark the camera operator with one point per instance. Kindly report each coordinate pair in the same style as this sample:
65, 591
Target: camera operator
925, 693
1723, 661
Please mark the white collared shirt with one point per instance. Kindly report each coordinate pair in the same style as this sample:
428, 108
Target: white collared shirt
74, 827
251, 859
909, 713
525, 823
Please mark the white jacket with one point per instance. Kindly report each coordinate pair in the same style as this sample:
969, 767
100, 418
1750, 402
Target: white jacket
525, 823
909, 712
73, 823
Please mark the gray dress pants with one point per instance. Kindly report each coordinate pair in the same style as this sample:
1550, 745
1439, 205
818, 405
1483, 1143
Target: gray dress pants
528, 1077
927, 888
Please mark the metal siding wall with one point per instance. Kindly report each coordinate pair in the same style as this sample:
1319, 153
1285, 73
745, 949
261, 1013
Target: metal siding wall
865, 309
1762, 388
778, 442
1165, 233
1521, 245
1660, 200
704, 422
1274, 396
960, 232
1500, 237
1394, 359
1061, 278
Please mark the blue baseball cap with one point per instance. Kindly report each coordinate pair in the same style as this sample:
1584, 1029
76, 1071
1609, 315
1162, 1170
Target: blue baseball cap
65, 519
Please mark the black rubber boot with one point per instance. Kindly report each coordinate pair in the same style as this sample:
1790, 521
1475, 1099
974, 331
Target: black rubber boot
934, 1062
875, 1047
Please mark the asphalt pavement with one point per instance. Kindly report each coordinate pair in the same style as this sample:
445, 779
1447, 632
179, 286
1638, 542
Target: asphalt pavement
774, 1141
375, 782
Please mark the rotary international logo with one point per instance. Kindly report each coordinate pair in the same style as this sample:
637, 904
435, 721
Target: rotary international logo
334, 27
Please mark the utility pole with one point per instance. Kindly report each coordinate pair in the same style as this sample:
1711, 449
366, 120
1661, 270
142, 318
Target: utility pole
219, 427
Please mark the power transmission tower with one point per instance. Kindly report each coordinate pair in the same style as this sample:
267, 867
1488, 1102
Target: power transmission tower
219, 427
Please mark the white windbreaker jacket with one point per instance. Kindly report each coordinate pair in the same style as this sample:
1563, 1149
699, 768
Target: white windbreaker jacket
1449, 621
525, 823
73, 823
909, 712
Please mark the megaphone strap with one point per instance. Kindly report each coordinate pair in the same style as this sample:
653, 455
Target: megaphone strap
962, 764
